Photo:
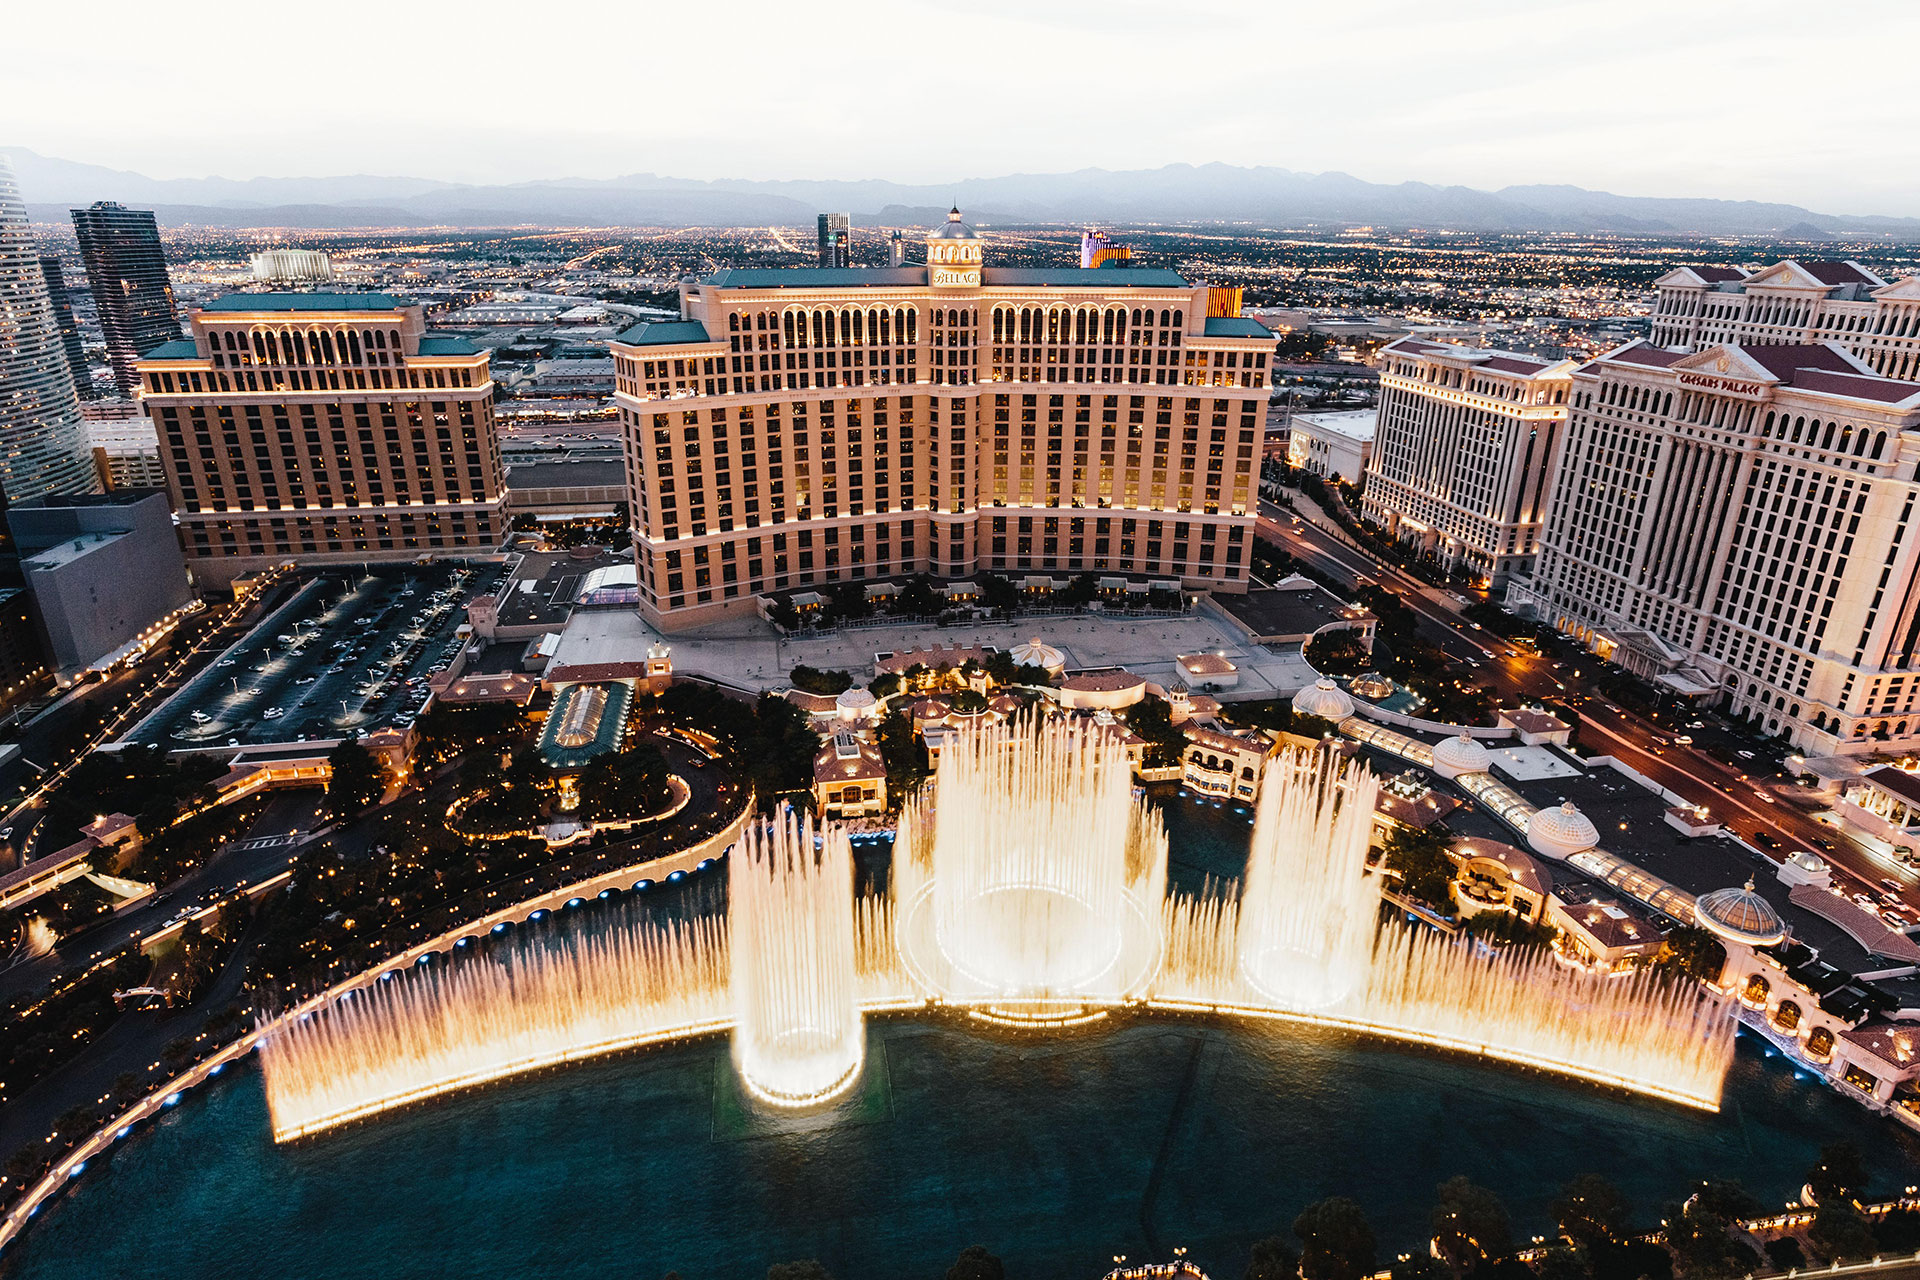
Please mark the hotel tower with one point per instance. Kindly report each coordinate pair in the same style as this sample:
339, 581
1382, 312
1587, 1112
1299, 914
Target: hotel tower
327, 428
800, 427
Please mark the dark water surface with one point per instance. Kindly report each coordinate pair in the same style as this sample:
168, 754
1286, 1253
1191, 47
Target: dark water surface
1057, 1153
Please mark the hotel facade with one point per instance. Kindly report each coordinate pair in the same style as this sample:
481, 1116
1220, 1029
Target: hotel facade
1736, 524
1793, 302
1464, 451
326, 428
803, 427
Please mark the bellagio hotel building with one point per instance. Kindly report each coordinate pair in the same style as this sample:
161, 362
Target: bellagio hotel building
810, 426
324, 428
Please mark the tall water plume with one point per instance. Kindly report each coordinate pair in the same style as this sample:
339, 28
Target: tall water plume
797, 1036
1027, 875
1307, 911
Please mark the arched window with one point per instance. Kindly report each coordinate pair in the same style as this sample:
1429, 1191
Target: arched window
1755, 992
1787, 1016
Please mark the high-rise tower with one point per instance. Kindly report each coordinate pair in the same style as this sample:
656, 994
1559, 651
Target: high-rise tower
835, 228
128, 273
42, 445
69, 331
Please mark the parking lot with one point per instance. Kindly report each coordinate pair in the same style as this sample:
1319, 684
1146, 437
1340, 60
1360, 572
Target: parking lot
350, 653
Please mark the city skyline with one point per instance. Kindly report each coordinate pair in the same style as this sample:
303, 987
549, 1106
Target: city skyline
1571, 92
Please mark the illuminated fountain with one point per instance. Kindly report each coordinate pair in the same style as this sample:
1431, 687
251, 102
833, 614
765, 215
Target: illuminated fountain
548, 1001
1307, 906
1303, 942
1028, 885
1027, 880
797, 1038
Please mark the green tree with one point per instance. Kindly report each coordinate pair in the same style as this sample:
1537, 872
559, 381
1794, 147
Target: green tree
1899, 1231
1590, 1210
1339, 653
624, 784
1839, 1174
814, 680
1699, 1233
1840, 1231
1273, 1259
975, 1263
1470, 1225
1336, 1242
998, 593
1419, 858
356, 780
904, 754
917, 598
1785, 1254
1562, 1262
1152, 719
1694, 952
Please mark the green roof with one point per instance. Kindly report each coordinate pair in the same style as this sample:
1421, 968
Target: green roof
1236, 327
662, 333
178, 349
307, 302
1107, 277
441, 344
816, 277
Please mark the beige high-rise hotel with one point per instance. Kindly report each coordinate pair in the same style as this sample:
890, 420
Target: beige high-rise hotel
1463, 452
326, 428
807, 426
1737, 524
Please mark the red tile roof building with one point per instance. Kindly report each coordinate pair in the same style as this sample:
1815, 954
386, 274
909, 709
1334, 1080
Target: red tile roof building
1793, 302
1739, 522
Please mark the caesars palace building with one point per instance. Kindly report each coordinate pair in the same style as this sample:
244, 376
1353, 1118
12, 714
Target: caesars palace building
1732, 509
810, 426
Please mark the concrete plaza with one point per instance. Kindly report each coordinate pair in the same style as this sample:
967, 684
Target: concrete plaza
753, 655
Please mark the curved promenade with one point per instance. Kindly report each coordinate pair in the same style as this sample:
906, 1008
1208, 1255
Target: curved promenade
74, 1162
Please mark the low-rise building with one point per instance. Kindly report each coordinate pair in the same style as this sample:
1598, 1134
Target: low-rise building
849, 778
1602, 931
1218, 763
1336, 445
105, 571
1884, 804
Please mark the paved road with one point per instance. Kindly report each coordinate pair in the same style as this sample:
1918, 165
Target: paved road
124, 696
1749, 807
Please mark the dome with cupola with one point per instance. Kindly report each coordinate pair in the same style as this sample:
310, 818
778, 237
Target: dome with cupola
1561, 832
1325, 699
1456, 756
953, 228
1739, 915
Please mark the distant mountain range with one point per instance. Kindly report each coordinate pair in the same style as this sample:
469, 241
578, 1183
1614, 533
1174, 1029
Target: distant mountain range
1175, 193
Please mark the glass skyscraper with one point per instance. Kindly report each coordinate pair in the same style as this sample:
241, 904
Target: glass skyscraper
69, 330
131, 290
43, 446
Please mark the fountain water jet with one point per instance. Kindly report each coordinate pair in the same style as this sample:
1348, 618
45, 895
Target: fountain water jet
1307, 907
1027, 884
1027, 878
797, 1036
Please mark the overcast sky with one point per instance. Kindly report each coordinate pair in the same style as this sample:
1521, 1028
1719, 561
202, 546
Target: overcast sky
1749, 99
